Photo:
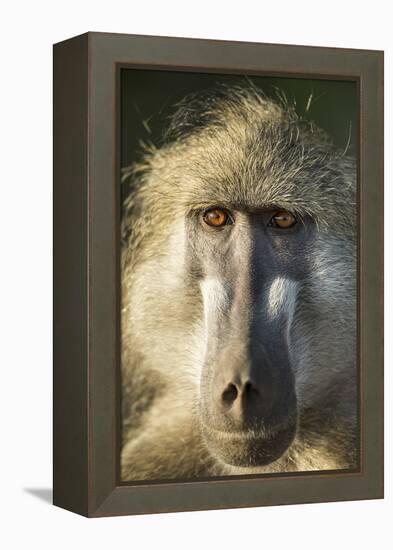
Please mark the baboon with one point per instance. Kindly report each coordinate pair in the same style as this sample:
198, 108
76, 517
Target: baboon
239, 295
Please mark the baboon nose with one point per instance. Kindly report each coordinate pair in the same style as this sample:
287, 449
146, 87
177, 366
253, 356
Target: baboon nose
239, 391
246, 401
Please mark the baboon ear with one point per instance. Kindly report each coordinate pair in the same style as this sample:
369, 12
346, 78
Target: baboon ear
195, 112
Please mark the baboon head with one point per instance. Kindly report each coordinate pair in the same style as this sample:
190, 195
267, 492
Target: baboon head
248, 215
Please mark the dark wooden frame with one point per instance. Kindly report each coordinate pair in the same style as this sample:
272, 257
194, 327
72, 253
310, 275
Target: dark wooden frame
86, 272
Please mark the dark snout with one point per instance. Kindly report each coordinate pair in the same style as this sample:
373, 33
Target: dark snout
251, 419
248, 400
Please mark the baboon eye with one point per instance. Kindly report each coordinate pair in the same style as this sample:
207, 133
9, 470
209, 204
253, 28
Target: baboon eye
283, 220
216, 217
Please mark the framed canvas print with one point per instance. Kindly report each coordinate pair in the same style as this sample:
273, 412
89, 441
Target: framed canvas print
218, 249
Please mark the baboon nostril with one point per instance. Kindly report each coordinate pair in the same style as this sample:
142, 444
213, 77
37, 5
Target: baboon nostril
229, 395
250, 390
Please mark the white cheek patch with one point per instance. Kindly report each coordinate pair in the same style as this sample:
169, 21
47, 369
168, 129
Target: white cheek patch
215, 297
281, 298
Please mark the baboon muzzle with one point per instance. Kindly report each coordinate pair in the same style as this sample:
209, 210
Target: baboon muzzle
248, 397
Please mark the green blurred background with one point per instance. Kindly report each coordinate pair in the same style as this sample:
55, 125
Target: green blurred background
148, 98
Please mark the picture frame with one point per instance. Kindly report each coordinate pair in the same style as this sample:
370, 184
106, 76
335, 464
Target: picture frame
87, 171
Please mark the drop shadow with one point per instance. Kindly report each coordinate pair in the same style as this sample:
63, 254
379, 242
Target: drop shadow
44, 494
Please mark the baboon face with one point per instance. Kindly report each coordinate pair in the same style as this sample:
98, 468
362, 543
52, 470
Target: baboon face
250, 264
247, 231
257, 185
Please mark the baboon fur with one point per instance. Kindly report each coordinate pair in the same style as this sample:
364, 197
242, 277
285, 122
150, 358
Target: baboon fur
235, 146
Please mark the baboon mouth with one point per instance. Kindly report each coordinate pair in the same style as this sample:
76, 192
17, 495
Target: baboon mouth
249, 448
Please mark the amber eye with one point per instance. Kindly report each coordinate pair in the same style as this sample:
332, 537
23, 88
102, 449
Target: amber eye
283, 220
216, 217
